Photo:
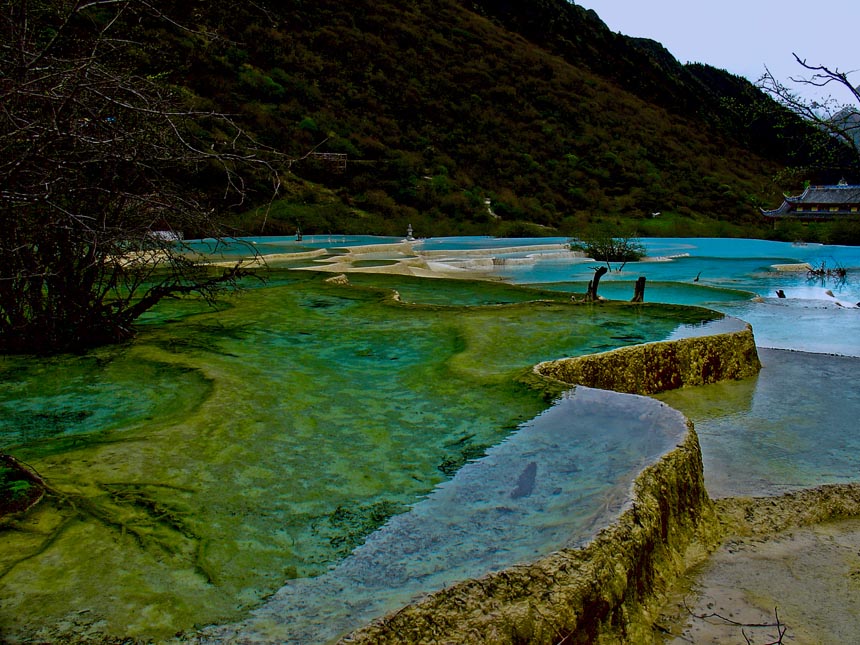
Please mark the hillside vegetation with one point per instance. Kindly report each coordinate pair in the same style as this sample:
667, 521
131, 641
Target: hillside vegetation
442, 105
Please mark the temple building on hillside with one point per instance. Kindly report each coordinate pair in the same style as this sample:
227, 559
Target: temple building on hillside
819, 203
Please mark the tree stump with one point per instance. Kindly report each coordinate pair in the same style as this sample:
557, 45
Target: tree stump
591, 294
639, 290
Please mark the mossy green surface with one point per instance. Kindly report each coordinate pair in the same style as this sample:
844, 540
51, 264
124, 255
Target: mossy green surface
657, 367
197, 468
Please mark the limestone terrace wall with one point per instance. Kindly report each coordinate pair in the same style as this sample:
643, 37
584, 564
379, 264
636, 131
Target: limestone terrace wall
656, 367
609, 590
602, 593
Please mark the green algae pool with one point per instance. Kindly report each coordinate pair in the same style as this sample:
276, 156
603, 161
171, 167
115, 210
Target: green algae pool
221, 453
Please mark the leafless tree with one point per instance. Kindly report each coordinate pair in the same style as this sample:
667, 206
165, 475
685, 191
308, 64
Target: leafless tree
839, 118
96, 165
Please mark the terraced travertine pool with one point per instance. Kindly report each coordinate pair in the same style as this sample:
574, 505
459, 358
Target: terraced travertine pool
222, 453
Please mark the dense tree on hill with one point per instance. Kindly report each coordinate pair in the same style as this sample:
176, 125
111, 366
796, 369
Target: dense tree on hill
96, 168
441, 105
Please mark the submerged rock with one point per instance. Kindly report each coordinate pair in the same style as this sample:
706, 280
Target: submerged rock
338, 279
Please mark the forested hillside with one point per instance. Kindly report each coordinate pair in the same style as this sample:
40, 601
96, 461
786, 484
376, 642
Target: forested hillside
441, 105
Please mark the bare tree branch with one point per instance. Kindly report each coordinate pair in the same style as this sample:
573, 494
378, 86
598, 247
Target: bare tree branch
96, 163
839, 119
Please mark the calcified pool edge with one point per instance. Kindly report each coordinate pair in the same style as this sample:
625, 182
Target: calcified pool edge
198, 487
612, 589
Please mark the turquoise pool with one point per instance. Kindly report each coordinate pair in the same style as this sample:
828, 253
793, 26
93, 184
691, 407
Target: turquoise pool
289, 442
221, 454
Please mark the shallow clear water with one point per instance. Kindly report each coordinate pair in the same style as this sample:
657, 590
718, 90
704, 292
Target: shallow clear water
50, 402
738, 278
553, 484
724, 274
222, 453
792, 426
478, 242
248, 246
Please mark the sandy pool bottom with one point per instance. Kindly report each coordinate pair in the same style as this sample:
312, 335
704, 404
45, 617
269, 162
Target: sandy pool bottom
800, 584
791, 552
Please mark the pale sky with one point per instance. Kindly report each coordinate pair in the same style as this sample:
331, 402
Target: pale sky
742, 36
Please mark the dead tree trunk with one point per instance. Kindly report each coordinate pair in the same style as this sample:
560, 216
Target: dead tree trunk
591, 294
639, 290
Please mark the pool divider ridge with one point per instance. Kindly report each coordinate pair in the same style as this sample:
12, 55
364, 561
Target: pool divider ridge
610, 590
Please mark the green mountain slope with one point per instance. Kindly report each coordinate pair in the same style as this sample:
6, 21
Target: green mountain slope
440, 105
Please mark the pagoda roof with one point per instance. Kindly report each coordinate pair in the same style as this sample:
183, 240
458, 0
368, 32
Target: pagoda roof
840, 194
841, 199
